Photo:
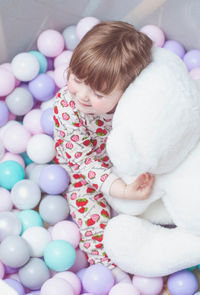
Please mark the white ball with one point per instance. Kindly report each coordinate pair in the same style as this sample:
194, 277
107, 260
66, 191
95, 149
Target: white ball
25, 194
47, 104
41, 148
25, 66
31, 121
34, 174
37, 238
2, 150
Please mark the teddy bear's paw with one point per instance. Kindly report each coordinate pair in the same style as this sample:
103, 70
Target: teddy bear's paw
142, 248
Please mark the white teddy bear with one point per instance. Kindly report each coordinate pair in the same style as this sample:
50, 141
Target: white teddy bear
156, 129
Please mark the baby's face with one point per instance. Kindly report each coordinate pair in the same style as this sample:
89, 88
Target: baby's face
89, 101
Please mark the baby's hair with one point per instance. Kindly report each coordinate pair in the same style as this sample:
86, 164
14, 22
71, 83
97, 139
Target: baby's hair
111, 54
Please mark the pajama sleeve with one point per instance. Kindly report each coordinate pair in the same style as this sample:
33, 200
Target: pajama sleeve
75, 149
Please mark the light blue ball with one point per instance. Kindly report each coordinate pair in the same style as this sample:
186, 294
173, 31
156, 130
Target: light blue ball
59, 255
41, 59
29, 218
10, 173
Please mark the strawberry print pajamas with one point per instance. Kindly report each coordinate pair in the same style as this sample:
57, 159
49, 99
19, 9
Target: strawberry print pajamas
80, 141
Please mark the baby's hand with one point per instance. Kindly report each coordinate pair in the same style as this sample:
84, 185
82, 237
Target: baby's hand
141, 188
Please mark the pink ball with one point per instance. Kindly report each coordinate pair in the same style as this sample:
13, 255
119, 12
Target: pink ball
6, 203
60, 75
124, 288
16, 138
31, 121
85, 25
63, 58
195, 73
2, 270
7, 82
155, 34
13, 157
8, 67
148, 286
80, 262
71, 278
67, 231
51, 43
56, 286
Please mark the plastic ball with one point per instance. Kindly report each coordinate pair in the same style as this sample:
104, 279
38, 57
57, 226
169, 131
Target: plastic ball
67, 231
41, 59
50, 43
40, 148
72, 279
10, 173
34, 174
2, 270
183, 282
34, 274
20, 101
70, 36
53, 209
5, 200
9, 225
26, 158
42, 87
31, 121
14, 251
80, 262
98, 279
148, 286
85, 25
192, 59
155, 34
2, 150
8, 67
3, 129
195, 73
30, 218
25, 194
60, 75
13, 157
37, 238
25, 66
47, 122
17, 286
124, 288
54, 179
16, 138
63, 58
59, 255
56, 286
11, 270
7, 82
4, 113
175, 47
47, 104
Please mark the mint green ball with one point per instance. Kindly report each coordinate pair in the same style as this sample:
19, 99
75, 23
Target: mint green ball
41, 59
59, 255
10, 173
29, 218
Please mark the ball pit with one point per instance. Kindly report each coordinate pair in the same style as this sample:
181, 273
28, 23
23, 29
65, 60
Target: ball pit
39, 253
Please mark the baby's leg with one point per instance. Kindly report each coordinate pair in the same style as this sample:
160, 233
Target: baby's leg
91, 213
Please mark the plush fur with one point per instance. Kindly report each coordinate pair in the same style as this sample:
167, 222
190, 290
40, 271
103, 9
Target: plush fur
156, 129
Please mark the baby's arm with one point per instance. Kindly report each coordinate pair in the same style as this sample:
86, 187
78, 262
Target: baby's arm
140, 189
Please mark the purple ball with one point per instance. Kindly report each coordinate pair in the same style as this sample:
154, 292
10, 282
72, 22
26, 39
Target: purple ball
16, 286
98, 279
192, 59
54, 179
47, 121
183, 282
175, 47
50, 64
42, 87
10, 270
4, 113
